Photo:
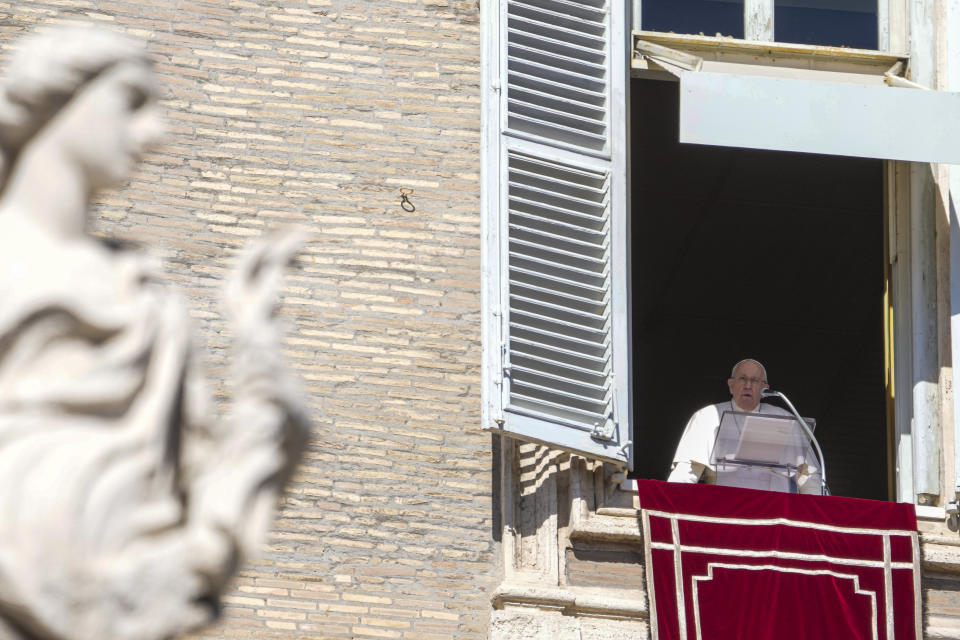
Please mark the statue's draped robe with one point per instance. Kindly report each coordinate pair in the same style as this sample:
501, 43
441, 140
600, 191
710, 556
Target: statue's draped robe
122, 507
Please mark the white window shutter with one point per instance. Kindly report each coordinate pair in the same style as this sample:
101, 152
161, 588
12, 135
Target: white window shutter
556, 211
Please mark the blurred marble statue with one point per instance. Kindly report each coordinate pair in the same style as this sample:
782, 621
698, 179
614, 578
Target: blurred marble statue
124, 505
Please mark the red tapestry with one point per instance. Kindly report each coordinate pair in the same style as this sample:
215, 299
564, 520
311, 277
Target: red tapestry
736, 563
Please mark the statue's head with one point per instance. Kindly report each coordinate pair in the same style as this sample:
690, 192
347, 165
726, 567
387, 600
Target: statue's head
85, 93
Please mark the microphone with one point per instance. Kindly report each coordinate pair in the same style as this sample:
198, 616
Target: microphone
770, 393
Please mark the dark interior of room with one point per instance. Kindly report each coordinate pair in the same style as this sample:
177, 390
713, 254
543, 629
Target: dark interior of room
775, 256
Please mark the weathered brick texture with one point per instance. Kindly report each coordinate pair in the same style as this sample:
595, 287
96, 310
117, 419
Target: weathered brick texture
616, 566
317, 112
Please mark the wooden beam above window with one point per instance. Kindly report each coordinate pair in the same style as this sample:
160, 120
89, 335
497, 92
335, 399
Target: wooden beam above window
801, 56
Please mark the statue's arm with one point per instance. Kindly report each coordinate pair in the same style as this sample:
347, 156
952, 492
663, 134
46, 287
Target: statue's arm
251, 456
233, 470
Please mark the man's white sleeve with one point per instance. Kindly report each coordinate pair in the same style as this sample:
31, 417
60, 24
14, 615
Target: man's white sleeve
685, 472
693, 452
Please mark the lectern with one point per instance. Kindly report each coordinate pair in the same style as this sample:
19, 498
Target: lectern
764, 451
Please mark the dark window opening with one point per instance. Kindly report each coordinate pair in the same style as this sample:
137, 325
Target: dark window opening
775, 256
707, 17
837, 23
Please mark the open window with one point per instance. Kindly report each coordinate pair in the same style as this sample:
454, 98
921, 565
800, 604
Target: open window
852, 107
772, 255
558, 280
841, 105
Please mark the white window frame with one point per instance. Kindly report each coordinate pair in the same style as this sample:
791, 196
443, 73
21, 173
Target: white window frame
912, 252
910, 195
758, 22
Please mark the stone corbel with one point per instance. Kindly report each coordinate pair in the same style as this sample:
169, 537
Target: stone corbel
598, 512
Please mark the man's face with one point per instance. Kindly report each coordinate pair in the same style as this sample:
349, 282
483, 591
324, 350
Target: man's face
746, 384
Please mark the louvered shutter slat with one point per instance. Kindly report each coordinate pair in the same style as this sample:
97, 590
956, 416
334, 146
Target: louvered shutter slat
558, 195
531, 261
562, 309
578, 64
550, 129
576, 18
594, 9
557, 90
538, 111
558, 397
566, 278
567, 107
563, 298
578, 77
547, 332
550, 46
583, 383
553, 215
565, 239
563, 412
548, 227
573, 188
551, 311
571, 287
561, 254
563, 368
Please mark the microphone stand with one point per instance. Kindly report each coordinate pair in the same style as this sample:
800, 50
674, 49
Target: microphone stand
767, 393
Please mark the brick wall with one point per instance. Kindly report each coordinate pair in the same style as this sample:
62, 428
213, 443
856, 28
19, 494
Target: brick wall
318, 112
617, 566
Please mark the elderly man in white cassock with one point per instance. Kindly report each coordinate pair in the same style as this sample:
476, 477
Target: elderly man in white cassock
692, 463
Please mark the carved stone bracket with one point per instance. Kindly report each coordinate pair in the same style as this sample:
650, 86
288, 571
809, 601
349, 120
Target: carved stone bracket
571, 548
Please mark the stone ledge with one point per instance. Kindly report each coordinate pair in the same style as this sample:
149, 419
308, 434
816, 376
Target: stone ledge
618, 512
940, 539
944, 631
583, 601
608, 525
940, 556
926, 512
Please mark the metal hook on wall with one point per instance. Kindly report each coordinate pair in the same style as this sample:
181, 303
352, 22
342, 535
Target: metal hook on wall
405, 203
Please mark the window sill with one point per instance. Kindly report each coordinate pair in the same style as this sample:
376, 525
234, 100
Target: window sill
925, 512
572, 600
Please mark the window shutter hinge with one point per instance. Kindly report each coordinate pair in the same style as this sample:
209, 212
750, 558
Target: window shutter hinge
608, 428
604, 430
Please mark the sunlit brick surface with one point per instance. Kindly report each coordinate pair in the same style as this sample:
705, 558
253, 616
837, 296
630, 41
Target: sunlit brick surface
317, 113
